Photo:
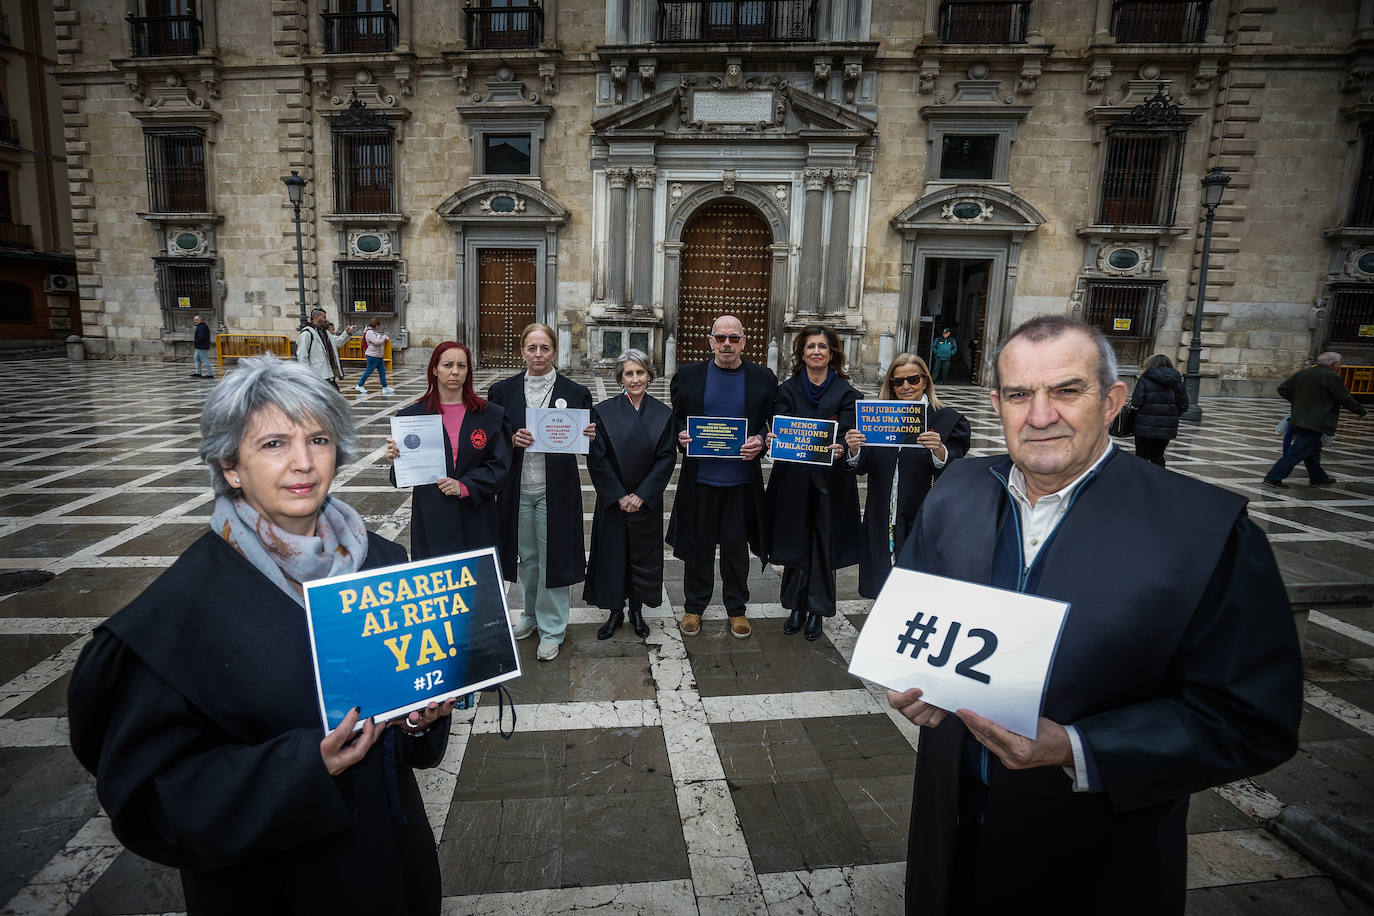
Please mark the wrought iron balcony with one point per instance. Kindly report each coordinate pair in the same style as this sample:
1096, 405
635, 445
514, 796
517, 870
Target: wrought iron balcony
9, 131
504, 26
15, 235
969, 22
1159, 21
359, 33
165, 36
736, 20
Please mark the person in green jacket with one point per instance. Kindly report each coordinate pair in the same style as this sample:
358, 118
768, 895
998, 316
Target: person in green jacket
943, 351
1317, 395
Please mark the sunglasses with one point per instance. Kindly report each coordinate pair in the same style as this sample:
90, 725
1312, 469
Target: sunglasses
722, 338
904, 380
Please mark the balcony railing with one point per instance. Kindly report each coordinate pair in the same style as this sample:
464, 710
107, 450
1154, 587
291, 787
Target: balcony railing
4, 29
967, 22
9, 131
1159, 21
505, 26
359, 33
736, 20
15, 235
165, 36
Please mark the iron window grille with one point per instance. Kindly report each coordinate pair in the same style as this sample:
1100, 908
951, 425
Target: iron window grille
736, 20
1362, 204
369, 28
9, 131
186, 283
1159, 21
505, 24
1352, 308
984, 22
369, 283
168, 28
176, 170
1122, 310
1143, 164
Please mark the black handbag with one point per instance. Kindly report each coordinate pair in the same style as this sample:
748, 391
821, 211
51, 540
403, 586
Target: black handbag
1123, 427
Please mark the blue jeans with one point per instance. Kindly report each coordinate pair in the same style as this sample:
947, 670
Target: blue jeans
1305, 447
203, 363
379, 364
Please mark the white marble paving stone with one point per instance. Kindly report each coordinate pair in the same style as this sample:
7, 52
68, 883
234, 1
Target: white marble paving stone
809, 704
61, 882
657, 898
43, 626
692, 752
1331, 704
36, 732
1242, 856
540, 717
870, 890
1340, 626
1251, 798
50, 669
716, 852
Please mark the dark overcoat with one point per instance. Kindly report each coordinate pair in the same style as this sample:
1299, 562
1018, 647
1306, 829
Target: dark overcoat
688, 393
567, 556
917, 474
786, 500
1159, 399
1317, 395
195, 707
634, 452
440, 524
1178, 663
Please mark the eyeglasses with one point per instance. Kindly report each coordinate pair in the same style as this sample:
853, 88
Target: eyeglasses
901, 381
722, 338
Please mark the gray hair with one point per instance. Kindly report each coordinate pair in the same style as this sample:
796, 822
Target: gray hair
1052, 327
633, 356
265, 381
1330, 358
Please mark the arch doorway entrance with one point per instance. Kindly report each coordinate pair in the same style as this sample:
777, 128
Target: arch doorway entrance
726, 268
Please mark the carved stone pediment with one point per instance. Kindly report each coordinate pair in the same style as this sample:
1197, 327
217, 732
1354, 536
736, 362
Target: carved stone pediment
756, 106
502, 201
969, 208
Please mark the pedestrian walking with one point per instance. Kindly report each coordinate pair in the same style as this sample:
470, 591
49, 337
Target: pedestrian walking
201, 349
1159, 399
374, 349
319, 349
1317, 395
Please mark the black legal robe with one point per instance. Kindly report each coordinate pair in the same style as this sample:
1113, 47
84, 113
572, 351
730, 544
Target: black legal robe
917, 474
567, 552
195, 708
634, 452
786, 499
441, 525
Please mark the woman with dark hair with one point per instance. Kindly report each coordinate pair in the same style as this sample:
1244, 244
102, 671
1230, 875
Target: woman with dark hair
814, 508
541, 502
458, 512
196, 708
374, 348
1159, 400
900, 478
629, 462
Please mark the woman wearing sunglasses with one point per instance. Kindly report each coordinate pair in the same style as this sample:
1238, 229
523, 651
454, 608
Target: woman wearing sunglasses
900, 478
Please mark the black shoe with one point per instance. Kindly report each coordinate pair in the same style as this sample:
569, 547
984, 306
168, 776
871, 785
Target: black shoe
637, 622
1329, 481
612, 624
1274, 484
195, 375
813, 627
793, 624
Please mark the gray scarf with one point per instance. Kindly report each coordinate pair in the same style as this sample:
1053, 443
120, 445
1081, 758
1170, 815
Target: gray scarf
338, 547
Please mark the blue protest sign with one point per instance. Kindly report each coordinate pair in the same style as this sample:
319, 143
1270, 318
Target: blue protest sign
802, 439
389, 640
716, 437
890, 423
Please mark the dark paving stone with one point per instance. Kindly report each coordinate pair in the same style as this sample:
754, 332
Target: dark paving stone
1306, 780
169, 539
91, 592
1323, 561
767, 662
49, 702
18, 476
1209, 812
881, 807
94, 480
622, 839
1361, 693
26, 845
1320, 726
755, 753
1321, 644
1319, 896
861, 746
528, 765
20, 653
806, 825
544, 682
141, 504
1352, 756
45, 797
1317, 518
54, 540
600, 678
27, 505
373, 504
605, 762
512, 844
81, 457
194, 478
133, 885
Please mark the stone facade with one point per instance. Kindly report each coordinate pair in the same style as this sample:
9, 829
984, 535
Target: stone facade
890, 165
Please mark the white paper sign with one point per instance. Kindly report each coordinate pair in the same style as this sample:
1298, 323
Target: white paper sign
966, 646
558, 430
421, 442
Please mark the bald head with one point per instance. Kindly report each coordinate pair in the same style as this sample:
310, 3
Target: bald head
727, 341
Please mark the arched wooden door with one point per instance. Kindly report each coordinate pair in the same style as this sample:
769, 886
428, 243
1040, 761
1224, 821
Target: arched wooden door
726, 270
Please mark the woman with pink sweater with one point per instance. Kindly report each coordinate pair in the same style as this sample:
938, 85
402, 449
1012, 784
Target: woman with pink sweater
374, 348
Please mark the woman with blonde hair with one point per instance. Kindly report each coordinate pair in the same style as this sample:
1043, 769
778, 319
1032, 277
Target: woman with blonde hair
900, 478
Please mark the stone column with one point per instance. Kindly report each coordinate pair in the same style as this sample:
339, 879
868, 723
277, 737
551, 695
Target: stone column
809, 296
837, 263
618, 176
645, 179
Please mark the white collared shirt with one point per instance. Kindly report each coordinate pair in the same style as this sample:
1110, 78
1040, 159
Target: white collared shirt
1039, 521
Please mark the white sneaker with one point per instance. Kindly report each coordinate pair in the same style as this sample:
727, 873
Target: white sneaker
548, 651
523, 628
360, 389
388, 390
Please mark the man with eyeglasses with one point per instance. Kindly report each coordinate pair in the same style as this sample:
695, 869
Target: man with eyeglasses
720, 500
1178, 666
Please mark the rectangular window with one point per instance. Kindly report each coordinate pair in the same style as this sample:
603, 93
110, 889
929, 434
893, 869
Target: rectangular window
1124, 310
1159, 21
176, 171
736, 20
360, 27
367, 288
186, 284
505, 24
1362, 205
6, 207
506, 154
364, 176
983, 21
167, 28
1352, 317
967, 157
1140, 179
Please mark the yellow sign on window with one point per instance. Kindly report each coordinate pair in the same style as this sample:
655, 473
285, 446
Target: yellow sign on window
359, 305
1367, 330
183, 302
1121, 324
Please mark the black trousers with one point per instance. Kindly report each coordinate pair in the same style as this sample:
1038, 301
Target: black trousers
720, 519
1151, 449
811, 588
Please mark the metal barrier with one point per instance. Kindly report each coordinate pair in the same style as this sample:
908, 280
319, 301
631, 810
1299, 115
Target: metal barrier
1358, 379
354, 352
242, 346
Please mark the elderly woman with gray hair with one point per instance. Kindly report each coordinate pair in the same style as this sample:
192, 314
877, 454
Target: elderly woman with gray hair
630, 461
195, 706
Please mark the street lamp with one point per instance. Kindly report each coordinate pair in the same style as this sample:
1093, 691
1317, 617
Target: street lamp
1213, 186
295, 190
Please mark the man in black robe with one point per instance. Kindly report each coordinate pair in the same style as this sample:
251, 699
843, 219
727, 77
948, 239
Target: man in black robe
1178, 666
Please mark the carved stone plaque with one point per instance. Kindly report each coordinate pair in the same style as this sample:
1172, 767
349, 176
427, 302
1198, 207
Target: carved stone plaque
732, 107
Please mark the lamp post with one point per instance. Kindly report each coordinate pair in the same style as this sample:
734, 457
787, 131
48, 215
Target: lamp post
1213, 187
295, 190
